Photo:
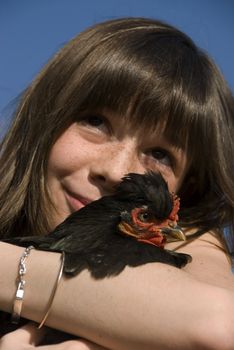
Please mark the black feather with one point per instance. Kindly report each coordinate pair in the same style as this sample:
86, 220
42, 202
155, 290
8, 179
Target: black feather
90, 237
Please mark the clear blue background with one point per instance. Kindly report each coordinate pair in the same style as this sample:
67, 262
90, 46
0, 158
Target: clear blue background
32, 30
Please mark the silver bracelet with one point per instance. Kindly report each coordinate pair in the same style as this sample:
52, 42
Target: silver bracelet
19, 295
58, 279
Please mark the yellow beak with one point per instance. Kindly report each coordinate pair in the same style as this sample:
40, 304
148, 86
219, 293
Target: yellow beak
173, 234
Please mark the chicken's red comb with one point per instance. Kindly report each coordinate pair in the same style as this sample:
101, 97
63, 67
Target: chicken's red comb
176, 206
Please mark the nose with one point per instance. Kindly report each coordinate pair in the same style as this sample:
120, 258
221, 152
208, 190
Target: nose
115, 161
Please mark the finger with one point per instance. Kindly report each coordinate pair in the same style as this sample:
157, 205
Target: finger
88, 345
29, 334
73, 345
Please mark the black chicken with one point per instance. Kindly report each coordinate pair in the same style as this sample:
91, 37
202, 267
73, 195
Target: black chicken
129, 227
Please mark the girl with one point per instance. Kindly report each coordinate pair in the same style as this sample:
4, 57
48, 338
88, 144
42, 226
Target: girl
128, 95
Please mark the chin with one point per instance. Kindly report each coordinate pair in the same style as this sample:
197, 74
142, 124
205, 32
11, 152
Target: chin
56, 220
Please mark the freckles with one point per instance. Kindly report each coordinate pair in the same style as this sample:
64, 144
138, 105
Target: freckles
71, 153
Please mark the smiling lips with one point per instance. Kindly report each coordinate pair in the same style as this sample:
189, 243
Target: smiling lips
75, 201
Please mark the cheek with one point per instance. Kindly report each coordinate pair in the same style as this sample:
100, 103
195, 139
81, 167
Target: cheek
175, 179
61, 159
68, 153
173, 184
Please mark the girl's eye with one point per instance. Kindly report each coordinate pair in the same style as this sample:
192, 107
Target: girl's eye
95, 121
161, 156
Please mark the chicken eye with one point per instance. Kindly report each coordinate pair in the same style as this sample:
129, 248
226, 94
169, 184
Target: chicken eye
144, 216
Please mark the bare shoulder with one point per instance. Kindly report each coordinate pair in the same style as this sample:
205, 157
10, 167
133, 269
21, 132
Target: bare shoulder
210, 263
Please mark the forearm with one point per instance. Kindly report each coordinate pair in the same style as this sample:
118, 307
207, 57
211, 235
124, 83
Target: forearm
149, 307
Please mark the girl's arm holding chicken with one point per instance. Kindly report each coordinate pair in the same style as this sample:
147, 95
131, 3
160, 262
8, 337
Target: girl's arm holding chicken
125, 96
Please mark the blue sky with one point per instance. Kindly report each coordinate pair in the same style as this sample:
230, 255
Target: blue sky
32, 30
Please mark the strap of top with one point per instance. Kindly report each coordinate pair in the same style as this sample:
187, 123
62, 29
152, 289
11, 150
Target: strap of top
228, 235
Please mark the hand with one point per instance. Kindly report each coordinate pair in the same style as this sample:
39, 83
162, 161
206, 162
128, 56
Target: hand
29, 336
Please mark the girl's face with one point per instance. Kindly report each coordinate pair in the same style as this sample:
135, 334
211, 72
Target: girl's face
93, 154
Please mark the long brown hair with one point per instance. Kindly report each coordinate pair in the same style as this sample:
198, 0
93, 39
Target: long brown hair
147, 72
